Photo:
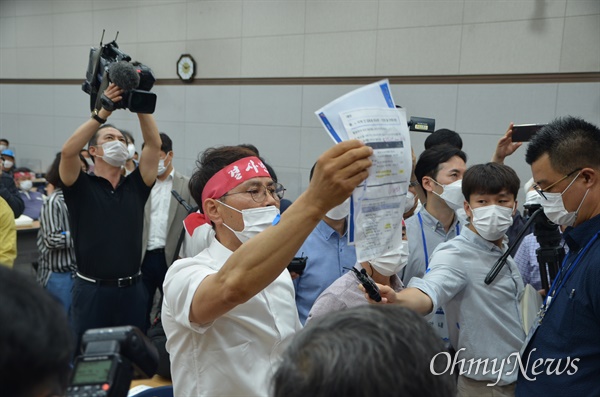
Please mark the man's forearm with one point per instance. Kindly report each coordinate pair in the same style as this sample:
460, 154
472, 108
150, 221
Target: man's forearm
149, 161
415, 299
149, 131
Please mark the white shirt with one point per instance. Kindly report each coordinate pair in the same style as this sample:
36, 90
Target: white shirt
160, 199
197, 241
235, 355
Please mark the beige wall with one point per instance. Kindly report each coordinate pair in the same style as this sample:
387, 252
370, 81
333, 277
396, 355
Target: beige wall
50, 39
297, 38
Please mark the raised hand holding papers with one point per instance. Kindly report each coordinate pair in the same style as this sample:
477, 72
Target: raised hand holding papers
369, 114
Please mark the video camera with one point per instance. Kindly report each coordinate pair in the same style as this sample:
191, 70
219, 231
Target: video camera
108, 63
112, 358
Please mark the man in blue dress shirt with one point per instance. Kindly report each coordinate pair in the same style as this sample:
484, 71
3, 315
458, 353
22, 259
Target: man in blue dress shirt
328, 253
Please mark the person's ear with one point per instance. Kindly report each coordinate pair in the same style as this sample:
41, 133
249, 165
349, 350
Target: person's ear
211, 208
467, 209
515, 208
427, 184
590, 177
92, 150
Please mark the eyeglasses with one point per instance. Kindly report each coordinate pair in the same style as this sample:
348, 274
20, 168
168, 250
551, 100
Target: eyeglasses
259, 192
540, 191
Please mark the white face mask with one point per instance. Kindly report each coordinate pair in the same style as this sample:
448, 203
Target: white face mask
391, 262
452, 194
162, 167
3, 147
115, 153
492, 221
26, 184
533, 197
8, 164
555, 210
339, 212
89, 161
131, 151
410, 202
255, 220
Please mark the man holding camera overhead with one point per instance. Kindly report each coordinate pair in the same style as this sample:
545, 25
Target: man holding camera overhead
107, 213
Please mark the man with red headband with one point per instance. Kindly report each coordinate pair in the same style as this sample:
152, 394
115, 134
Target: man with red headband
229, 310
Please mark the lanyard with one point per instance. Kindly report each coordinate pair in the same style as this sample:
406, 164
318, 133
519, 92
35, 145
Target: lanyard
425, 240
560, 281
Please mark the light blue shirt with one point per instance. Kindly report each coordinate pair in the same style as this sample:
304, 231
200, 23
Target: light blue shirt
424, 235
328, 253
484, 320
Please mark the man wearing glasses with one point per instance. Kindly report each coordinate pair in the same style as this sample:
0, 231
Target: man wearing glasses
561, 354
229, 310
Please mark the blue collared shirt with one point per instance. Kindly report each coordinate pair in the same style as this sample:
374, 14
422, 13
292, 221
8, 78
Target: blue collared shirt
328, 253
570, 329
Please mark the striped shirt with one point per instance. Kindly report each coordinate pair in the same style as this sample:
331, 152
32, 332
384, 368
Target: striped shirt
54, 240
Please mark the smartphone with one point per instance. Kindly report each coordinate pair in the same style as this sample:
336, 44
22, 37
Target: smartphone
524, 132
297, 265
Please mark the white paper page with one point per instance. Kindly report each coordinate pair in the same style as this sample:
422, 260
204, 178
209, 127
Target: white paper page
375, 225
375, 95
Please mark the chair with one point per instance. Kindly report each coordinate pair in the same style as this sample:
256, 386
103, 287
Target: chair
162, 391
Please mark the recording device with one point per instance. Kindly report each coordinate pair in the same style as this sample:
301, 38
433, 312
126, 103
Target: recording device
420, 124
550, 254
524, 132
298, 264
112, 358
367, 282
189, 210
107, 63
181, 201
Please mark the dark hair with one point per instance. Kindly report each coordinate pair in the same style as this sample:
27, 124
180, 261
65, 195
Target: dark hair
490, 178
430, 160
22, 169
5, 140
94, 139
128, 136
250, 147
166, 143
570, 143
35, 337
213, 160
443, 136
369, 350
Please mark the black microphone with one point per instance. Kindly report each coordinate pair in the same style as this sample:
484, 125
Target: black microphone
181, 201
124, 74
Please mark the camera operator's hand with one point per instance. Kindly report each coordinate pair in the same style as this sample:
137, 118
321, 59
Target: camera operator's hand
114, 94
